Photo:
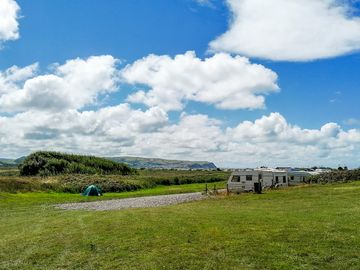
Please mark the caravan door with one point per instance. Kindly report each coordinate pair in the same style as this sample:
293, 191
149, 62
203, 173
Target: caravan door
250, 179
268, 179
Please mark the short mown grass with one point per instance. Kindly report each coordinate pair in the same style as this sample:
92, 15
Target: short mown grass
307, 227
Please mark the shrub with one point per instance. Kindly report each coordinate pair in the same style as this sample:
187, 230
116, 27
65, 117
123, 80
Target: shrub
54, 163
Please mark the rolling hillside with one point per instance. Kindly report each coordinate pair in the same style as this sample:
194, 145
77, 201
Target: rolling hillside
4, 162
157, 163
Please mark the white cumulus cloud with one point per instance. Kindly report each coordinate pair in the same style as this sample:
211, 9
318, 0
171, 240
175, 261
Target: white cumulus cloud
272, 140
47, 111
290, 30
13, 77
104, 131
9, 26
72, 85
121, 130
228, 82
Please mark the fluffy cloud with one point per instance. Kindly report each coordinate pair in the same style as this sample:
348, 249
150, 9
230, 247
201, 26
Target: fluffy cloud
194, 136
121, 130
275, 128
290, 30
9, 25
227, 82
104, 131
273, 138
11, 78
47, 113
72, 85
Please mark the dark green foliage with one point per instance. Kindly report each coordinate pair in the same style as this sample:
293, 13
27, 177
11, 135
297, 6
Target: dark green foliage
340, 175
54, 163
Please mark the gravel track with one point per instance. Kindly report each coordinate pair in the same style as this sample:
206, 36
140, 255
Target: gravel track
139, 202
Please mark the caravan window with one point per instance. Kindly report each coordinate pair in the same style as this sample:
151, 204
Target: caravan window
277, 179
284, 179
236, 178
249, 178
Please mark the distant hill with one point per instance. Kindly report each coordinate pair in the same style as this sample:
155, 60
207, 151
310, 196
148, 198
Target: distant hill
157, 163
19, 160
4, 162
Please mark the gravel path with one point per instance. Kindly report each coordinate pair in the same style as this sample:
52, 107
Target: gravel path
140, 202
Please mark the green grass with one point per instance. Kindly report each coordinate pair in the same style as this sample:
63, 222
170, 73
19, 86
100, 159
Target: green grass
311, 227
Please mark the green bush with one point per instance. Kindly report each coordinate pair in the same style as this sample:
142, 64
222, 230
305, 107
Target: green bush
54, 163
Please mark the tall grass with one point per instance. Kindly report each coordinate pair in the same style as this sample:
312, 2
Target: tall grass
75, 183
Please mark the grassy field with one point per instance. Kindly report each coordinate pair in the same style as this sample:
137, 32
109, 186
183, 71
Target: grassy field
310, 227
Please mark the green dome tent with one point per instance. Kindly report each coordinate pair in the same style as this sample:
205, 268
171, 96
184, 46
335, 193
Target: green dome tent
92, 191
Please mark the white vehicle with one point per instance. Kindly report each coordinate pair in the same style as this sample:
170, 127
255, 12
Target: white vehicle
244, 180
297, 177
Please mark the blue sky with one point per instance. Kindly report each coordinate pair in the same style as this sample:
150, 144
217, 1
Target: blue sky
316, 87
56, 31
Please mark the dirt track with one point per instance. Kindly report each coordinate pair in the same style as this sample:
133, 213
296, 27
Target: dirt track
140, 202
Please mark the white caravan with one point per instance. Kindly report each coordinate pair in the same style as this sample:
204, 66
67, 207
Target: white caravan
297, 177
244, 180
